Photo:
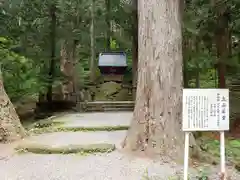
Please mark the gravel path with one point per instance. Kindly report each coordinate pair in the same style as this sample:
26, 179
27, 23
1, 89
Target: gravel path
113, 166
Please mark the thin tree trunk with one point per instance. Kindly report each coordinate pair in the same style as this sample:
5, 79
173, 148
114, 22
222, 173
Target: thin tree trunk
197, 64
197, 77
185, 59
53, 44
156, 123
75, 74
134, 46
10, 125
108, 22
93, 53
68, 69
222, 38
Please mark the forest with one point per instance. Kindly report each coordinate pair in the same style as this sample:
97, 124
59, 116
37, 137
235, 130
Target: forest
49, 53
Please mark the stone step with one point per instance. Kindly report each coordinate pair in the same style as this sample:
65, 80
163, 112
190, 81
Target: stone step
111, 103
98, 121
72, 142
109, 109
234, 87
103, 106
111, 106
118, 108
108, 104
92, 121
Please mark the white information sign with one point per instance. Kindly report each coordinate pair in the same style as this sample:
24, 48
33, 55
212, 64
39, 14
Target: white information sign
205, 110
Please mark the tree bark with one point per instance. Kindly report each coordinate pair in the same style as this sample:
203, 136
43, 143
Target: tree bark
134, 46
10, 125
93, 53
156, 123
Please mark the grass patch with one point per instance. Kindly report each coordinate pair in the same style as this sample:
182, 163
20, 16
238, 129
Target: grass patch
44, 123
79, 149
48, 124
75, 129
232, 147
97, 128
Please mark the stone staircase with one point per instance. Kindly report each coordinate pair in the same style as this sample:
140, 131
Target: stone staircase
234, 88
106, 106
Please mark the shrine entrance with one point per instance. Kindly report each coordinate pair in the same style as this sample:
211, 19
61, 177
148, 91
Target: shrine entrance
112, 65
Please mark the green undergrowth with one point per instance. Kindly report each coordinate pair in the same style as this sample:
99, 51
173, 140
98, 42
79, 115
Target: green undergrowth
211, 150
213, 147
232, 148
76, 149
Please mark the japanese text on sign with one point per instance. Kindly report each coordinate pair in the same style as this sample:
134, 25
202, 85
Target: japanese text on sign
205, 109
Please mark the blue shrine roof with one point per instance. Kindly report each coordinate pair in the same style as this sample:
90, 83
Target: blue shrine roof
115, 59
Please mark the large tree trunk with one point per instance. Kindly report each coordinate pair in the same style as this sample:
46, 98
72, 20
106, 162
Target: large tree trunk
156, 123
134, 46
10, 125
92, 34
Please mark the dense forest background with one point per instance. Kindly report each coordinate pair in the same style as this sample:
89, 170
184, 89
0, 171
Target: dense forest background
48, 44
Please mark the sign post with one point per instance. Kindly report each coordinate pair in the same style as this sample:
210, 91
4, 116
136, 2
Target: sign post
205, 110
222, 153
186, 155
